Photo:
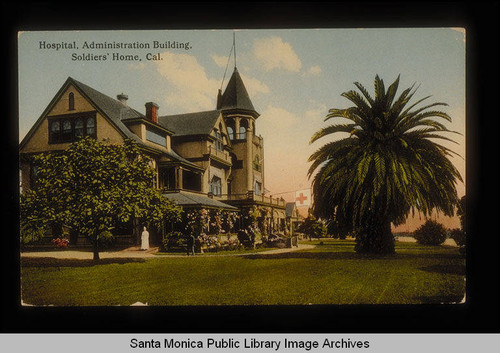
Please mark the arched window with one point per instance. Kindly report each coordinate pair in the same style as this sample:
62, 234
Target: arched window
55, 131
68, 129
230, 132
91, 126
79, 127
242, 133
71, 101
216, 186
257, 188
243, 129
67, 132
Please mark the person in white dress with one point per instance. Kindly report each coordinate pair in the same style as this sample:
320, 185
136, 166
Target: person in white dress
145, 239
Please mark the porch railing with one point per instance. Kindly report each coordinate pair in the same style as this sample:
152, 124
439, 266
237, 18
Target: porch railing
251, 196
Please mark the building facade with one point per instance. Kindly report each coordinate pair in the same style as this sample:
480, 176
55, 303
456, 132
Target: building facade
210, 159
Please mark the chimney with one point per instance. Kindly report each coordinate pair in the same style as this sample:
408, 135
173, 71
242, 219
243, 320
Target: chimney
152, 111
122, 98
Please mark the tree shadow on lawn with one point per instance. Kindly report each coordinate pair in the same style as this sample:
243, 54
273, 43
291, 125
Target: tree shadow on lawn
445, 269
349, 255
52, 262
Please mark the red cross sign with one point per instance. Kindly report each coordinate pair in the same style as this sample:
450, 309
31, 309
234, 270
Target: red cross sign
303, 197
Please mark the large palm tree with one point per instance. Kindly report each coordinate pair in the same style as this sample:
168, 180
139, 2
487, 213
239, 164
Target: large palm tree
388, 164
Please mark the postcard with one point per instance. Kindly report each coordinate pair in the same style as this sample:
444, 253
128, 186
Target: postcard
248, 167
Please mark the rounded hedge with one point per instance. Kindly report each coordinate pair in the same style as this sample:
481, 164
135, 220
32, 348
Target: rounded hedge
430, 233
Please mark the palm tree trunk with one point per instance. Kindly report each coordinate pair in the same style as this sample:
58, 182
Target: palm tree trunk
375, 237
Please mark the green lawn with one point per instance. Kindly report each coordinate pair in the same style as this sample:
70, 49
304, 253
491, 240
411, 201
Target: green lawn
331, 273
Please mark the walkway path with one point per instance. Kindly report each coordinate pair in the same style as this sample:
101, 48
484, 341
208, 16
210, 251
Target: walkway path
135, 253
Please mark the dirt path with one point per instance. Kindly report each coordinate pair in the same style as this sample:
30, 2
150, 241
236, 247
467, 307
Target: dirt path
135, 253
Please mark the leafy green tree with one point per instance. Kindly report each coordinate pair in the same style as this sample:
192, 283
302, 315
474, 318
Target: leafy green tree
388, 164
313, 228
93, 186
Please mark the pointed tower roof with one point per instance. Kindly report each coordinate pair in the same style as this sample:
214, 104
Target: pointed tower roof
236, 97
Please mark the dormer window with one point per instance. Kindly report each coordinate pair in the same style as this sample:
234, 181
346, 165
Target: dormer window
71, 101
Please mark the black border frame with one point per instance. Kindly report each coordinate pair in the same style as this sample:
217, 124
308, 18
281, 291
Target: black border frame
481, 312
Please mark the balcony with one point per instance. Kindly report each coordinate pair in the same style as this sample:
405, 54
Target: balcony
221, 156
251, 196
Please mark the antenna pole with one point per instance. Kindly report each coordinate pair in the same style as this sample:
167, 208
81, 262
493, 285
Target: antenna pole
234, 46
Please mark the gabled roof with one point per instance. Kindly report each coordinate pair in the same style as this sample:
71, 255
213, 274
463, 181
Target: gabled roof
112, 109
200, 123
235, 95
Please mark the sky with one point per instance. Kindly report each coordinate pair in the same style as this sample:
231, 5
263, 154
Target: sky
293, 77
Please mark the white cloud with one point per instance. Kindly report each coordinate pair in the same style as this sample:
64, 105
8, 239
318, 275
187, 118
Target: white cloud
277, 118
219, 60
318, 113
254, 86
189, 87
312, 71
273, 53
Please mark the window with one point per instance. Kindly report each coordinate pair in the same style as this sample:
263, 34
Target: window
218, 140
67, 129
90, 126
242, 135
258, 188
71, 101
230, 131
216, 186
55, 131
154, 136
79, 127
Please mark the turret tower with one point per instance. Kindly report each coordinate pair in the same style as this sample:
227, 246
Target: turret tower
240, 117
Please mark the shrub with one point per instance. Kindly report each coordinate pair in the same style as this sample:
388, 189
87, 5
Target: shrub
459, 236
431, 233
313, 228
106, 239
60, 242
174, 241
